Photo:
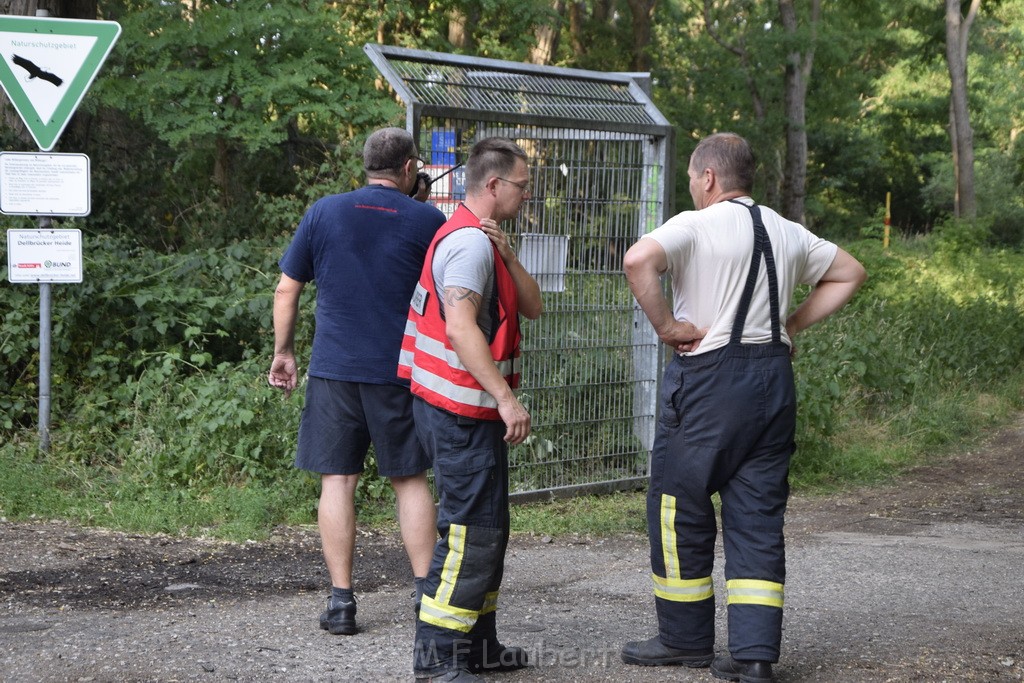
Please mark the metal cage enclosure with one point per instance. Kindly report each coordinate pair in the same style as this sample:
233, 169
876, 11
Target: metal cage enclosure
600, 163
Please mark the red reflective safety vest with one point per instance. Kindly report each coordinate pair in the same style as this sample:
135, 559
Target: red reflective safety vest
428, 360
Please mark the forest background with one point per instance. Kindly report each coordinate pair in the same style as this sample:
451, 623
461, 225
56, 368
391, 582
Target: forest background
215, 123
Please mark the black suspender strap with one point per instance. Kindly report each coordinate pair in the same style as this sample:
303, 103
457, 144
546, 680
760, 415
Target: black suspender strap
762, 246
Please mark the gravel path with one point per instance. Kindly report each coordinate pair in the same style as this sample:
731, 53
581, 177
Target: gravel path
916, 582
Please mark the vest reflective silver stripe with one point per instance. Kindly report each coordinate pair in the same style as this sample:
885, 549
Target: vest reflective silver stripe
464, 395
669, 551
438, 350
683, 590
755, 592
447, 616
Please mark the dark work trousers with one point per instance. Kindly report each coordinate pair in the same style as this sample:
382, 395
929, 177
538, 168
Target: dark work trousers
456, 623
726, 425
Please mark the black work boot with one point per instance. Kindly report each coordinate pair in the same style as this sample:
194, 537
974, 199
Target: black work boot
498, 657
743, 670
487, 655
453, 676
653, 652
340, 618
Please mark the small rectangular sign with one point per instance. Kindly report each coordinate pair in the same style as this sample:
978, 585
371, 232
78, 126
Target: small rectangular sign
544, 257
33, 184
44, 256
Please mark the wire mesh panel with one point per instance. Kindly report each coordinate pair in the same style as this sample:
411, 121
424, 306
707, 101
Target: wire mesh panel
598, 153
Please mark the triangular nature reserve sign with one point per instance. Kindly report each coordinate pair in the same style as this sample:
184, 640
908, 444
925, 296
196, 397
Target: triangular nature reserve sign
47, 65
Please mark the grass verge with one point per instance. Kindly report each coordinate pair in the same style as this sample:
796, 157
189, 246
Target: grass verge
864, 450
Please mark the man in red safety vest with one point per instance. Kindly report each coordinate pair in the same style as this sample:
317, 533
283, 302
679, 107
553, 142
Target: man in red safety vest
461, 355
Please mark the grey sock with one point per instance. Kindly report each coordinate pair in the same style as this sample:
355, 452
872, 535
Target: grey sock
341, 596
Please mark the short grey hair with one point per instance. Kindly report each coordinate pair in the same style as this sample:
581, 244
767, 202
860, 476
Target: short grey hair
730, 157
386, 150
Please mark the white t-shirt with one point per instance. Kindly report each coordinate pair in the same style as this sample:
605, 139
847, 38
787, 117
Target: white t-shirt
709, 255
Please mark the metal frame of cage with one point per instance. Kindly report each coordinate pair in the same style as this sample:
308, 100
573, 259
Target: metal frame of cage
601, 166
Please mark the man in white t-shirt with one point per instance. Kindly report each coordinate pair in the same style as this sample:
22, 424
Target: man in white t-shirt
727, 408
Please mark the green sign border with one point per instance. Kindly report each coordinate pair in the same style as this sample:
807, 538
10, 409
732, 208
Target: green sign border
106, 34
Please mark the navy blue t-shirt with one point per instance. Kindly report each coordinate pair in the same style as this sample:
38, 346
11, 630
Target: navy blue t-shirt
365, 250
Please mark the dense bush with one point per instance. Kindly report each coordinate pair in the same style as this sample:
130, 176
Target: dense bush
159, 360
930, 323
156, 358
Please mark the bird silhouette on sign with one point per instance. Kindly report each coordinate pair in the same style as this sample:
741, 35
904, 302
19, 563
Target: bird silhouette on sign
36, 72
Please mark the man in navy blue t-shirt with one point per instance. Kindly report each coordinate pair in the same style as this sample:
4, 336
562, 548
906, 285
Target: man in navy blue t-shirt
364, 249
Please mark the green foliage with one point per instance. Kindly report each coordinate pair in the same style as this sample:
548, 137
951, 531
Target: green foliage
926, 331
139, 331
239, 72
210, 104
214, 125
216, 121
160, 398
1000, 220
159, 369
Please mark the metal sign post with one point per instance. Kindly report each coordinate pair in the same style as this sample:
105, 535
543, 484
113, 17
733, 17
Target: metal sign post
45, 344
46, 66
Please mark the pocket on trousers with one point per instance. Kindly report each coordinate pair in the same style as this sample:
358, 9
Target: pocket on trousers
671, 400
467, 484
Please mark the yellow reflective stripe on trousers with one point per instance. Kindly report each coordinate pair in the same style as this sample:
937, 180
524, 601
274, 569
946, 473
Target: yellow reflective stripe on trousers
668, 537
490, 603
446, 616
437, 610
755, 592
671, 586
683, 590
452, 563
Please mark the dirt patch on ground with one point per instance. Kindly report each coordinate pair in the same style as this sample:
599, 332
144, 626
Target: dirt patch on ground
916, 581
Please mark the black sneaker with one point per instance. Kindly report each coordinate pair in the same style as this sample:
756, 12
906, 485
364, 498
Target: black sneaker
653, 652
745, 671
339, 619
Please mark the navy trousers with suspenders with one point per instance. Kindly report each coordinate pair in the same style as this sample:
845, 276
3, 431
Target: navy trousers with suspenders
726, 425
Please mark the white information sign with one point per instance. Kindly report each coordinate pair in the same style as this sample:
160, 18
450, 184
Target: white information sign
44, 256
37, 184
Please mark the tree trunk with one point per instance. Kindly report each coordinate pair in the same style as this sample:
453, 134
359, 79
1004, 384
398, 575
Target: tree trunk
75, 9
461, 29
577, 12
643, 13
547, 37
798, 73
65, 9
960, 132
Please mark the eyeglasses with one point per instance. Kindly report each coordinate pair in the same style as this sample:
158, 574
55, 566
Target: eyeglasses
419, 163
523, 187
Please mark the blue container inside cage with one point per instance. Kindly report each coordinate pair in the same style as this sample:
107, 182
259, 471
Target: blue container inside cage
443, 144
459, 183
